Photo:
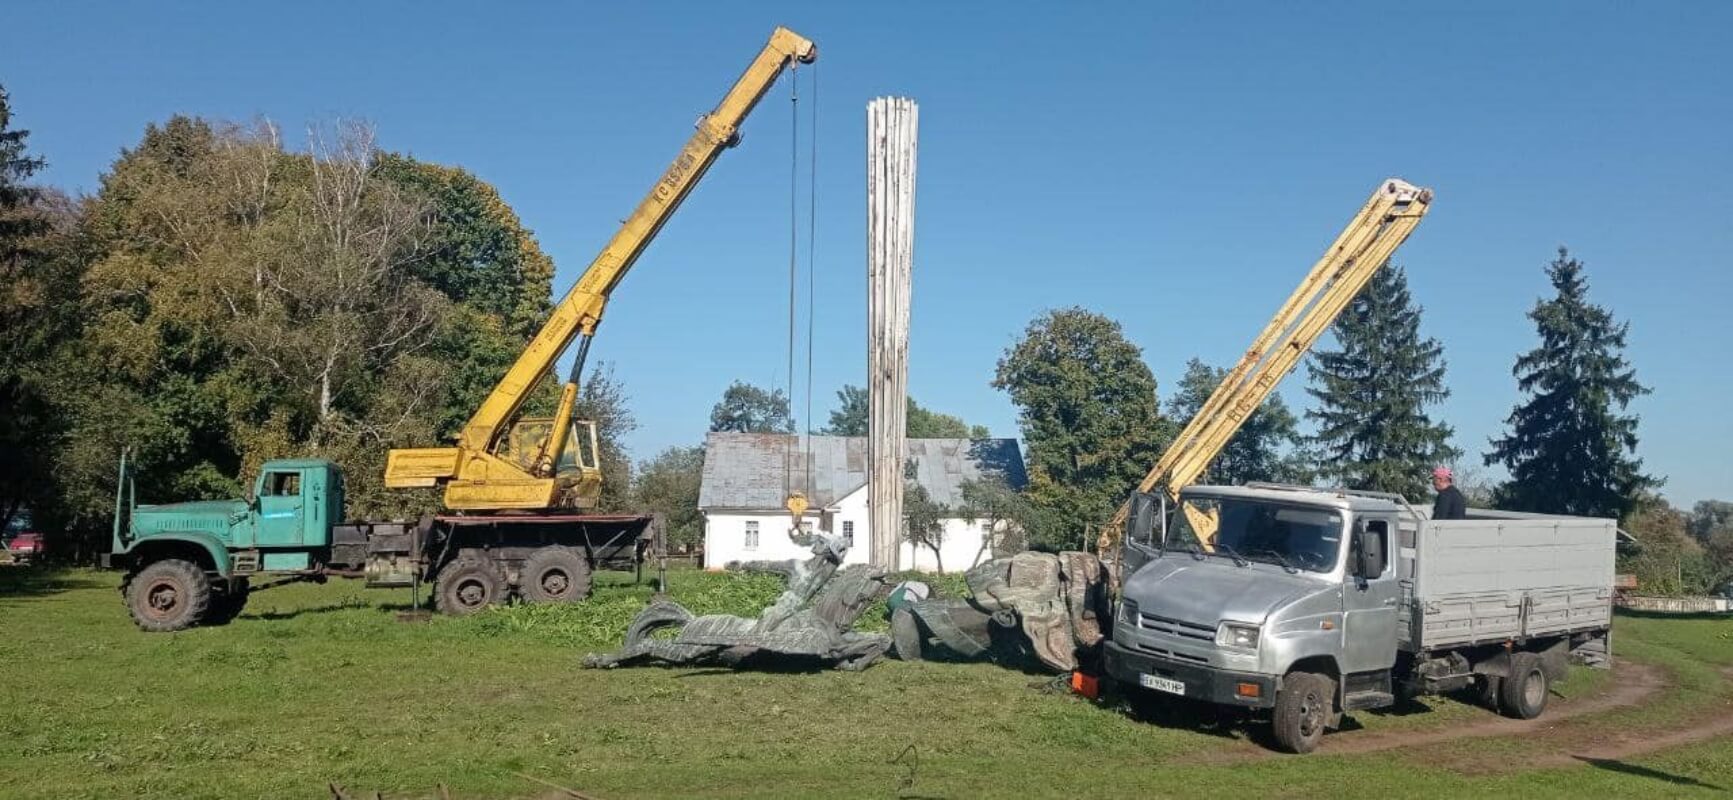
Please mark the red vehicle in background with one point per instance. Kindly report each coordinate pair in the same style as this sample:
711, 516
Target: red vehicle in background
22, 544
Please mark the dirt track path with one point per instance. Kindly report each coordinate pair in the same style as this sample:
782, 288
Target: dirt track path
1714, 720
1632, 684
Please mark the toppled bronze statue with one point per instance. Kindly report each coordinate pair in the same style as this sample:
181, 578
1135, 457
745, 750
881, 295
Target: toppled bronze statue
811, 621
1051, 608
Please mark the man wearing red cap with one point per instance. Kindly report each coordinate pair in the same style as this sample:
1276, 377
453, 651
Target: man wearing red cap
1450, 503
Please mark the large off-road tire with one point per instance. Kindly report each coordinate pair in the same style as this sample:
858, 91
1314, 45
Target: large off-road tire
168, 595
1525, 690
1487, 689
467, 585
555, 575
226, 604
1303, 709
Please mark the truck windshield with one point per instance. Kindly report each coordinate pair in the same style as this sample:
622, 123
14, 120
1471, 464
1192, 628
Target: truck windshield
1258, 530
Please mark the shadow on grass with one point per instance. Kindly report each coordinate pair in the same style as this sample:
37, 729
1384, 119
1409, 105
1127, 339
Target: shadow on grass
771, 663
1191, 715
275, 614
1645, 772
1406, 706
34, 581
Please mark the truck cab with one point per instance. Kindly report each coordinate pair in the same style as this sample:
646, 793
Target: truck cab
1304, 604
188, 561
1249, 584
289, 510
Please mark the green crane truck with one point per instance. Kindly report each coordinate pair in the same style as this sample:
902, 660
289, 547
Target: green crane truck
195, 563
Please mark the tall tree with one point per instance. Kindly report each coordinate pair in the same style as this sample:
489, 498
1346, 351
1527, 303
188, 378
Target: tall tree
16, 193
851, 414
745, 408
1372, 392
669, 484
1708, 516
1262, 449
32, 308
1089, 416
1569, 448
603, 400
242, 301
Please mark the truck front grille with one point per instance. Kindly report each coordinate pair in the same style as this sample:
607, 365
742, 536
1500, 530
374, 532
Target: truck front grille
1174, 627
1170, 654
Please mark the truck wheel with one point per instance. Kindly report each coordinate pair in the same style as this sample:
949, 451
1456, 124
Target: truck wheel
1524, 692
555, 575
1303, 708
468, 585
227, 604
169, 595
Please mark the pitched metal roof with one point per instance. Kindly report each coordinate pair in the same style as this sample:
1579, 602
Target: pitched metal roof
746, 470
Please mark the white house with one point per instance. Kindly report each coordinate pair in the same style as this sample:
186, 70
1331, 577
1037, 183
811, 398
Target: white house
747, 477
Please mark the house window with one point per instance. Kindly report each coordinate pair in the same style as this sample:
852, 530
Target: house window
848, 532
752, 534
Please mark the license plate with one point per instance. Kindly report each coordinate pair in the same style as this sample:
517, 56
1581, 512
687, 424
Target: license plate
1161, 684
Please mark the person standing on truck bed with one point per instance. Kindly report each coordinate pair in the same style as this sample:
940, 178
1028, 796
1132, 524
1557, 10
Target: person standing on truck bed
1449, 504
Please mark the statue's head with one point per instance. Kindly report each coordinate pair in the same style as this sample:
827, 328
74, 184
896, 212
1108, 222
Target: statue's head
824, 544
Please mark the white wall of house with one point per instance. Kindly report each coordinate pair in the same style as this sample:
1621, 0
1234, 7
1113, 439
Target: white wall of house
958, 546
762, 535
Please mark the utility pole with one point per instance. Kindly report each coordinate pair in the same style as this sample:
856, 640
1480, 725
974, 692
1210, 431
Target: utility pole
891, 133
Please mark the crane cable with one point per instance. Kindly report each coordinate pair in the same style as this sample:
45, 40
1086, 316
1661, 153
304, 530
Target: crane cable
811, 261
797, 500
793, 251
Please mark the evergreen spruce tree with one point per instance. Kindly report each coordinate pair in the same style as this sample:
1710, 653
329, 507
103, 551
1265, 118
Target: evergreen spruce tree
1373, 430
1569, 450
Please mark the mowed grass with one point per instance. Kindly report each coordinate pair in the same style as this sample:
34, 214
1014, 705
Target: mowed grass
320, 684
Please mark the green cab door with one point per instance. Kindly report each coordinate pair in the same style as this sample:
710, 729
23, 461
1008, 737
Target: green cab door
282, 509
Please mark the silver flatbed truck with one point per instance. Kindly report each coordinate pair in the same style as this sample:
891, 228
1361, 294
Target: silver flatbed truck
1304, 604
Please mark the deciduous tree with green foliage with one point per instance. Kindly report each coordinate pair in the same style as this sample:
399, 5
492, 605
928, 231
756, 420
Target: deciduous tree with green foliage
1569, 448
34, 304
1667, 560
1262, 449
851, 416
602, 399
1709, 516
1003, 512
1373, 390
745, 408
669, 484
239, 300
1090, 419
923, 517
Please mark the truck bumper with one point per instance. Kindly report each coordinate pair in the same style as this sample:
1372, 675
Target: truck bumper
1202, 682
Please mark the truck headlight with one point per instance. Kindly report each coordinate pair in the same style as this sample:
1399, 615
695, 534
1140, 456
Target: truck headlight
1236, 635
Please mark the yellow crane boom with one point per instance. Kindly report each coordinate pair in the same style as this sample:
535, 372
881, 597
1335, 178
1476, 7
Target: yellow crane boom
1386, 220
502, 461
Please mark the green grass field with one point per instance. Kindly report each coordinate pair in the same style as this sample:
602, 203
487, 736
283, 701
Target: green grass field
320, 684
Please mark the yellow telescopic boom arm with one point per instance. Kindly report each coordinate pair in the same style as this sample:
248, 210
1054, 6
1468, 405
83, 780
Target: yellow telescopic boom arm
477, 478
1368, 242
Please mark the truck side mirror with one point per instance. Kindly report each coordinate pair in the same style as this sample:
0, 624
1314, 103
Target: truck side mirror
1140, 523
1370, 558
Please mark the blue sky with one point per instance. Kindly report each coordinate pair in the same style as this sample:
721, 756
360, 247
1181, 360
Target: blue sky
1174, 166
